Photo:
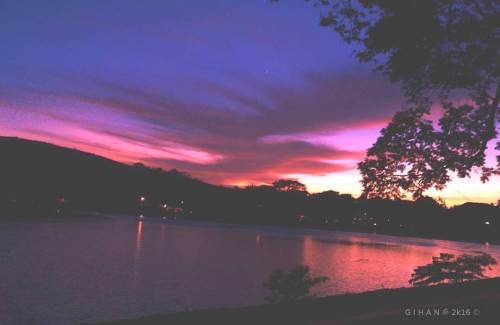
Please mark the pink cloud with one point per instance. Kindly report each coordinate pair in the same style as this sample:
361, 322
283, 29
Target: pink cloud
317, 133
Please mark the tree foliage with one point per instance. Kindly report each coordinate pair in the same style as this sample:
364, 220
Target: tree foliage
293, 285
289, 185
438, 50
448, 268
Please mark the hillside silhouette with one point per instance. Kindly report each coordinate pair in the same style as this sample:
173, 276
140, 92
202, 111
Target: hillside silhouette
36, 173
40, 179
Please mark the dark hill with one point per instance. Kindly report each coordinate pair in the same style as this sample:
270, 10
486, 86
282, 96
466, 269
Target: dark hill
35, 173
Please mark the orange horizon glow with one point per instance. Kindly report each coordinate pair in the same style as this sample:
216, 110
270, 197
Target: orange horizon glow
346, 181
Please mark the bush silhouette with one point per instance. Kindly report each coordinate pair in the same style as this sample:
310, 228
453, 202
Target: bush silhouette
448, 268
293, 285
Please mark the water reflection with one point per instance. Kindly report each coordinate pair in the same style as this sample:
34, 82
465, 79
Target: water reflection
355, 265
151, 267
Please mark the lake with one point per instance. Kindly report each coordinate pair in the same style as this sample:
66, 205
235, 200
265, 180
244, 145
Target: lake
84, 270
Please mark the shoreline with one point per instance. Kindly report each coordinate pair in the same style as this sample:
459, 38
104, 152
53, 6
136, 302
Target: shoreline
305, 229
472, 301
314, 231
275, 229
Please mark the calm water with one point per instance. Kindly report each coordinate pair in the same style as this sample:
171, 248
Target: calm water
66, 272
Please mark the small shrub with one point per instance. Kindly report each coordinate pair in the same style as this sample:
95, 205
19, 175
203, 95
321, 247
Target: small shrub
293, 285
448, 268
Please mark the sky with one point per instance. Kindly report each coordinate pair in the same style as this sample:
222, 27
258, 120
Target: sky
232, 92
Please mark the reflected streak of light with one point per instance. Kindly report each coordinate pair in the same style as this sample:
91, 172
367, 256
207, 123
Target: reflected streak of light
138, 240
163, 227
308, 248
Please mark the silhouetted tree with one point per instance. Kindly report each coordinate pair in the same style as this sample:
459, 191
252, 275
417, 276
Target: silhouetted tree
448, 268
331, 208
289, 185
433, 48
292, 285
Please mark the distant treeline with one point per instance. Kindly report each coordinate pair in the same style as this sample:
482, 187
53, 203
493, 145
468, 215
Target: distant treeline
39, 179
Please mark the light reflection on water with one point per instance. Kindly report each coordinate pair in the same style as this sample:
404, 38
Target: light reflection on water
68, 272
137, 255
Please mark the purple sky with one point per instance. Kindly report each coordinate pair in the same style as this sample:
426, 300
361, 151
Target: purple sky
233, 92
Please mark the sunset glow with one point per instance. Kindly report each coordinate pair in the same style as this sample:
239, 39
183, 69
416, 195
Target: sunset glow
212, 89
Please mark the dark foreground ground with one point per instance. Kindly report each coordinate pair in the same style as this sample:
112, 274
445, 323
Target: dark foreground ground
475, 302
